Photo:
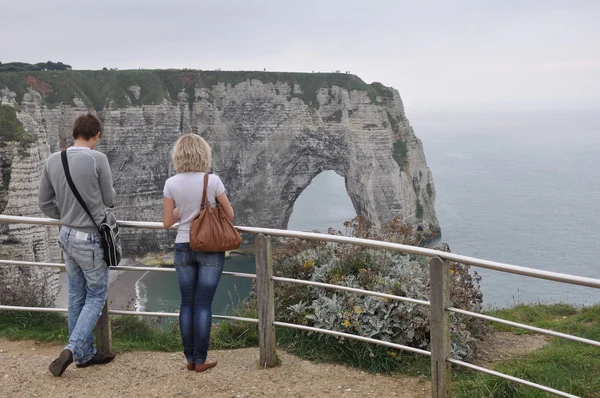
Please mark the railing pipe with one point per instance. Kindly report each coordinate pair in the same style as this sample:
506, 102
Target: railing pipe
119, 268
493, 265
350, 289
526, 327
353, 337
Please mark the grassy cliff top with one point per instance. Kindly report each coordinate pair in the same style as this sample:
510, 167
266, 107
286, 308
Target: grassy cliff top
98, 88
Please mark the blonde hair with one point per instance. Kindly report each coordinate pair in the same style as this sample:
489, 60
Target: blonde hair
191, 153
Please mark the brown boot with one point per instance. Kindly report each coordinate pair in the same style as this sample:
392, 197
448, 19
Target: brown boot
191, 366
206, 365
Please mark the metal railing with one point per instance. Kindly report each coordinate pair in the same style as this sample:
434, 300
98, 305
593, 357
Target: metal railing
439, 303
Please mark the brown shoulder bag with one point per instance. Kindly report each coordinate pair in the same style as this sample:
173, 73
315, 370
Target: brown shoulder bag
211, 231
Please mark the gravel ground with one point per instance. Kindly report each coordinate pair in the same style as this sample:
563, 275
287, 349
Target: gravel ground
24, 373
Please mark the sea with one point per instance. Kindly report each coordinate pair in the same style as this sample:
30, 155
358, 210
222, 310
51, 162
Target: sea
516, 187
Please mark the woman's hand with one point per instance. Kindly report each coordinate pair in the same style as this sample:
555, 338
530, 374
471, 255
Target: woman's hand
224, 201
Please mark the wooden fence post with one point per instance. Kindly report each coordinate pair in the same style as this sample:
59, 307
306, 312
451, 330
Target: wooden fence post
441, 371
266, 302
103, 332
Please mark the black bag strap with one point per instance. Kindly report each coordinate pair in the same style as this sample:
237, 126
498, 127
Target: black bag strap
65, 162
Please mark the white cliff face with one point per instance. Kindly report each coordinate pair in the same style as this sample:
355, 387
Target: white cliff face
21, 241
268, 147
269, 140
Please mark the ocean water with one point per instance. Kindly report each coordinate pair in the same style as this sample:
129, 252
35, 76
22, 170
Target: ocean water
520, 188
159, 291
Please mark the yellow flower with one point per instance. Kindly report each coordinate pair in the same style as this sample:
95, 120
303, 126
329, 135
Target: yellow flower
308, 264
357, 309
384, 299
392, 354
451, 271
346, 323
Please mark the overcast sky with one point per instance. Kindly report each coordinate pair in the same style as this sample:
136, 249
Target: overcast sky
446, 54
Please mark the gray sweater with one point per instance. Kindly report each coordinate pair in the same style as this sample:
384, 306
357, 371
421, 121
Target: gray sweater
91, 175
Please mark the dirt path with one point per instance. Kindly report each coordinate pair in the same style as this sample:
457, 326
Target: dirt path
24, 373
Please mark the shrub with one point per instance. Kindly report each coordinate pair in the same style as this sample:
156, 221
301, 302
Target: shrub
378, 270
25, 286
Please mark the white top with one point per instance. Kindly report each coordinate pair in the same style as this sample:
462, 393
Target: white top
186, 190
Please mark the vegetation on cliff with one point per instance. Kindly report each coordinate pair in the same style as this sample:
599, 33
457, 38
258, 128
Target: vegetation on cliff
103, 88
11, 128
25, 67
12, 131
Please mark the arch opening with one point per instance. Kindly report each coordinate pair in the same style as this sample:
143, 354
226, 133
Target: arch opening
324, 203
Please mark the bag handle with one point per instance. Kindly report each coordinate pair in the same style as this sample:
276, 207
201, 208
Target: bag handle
205, 202
65, 163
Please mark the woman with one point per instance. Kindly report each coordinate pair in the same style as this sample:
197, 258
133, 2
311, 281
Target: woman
198, 273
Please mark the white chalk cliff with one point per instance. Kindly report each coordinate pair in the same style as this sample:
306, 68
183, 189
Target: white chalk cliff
271, 134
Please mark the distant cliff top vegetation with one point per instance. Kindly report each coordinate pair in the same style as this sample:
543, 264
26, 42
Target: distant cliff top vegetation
11, 130
40, 66
116, 88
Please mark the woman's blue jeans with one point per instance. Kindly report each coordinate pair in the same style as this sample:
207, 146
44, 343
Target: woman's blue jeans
198, 274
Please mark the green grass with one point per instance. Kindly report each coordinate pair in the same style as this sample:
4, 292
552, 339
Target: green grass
227, 335
372, 358
129, 333
39, 326
562, 364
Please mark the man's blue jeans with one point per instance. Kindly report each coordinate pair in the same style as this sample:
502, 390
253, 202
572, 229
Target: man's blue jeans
88, 282
198, 274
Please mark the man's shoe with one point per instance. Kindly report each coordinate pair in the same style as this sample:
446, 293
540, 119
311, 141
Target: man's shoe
60, 364
205, 366
191, 366
99, 358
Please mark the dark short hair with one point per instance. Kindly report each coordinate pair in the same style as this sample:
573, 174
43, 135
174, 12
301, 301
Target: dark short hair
86, 127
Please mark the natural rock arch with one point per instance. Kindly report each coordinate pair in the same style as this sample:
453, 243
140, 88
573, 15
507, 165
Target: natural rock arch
269, 157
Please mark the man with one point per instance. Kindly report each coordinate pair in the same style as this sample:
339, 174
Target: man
79, 238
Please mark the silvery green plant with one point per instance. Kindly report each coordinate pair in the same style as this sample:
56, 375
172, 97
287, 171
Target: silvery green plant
377, 270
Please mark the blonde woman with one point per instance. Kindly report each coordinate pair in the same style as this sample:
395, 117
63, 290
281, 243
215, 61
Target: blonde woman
198, 273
